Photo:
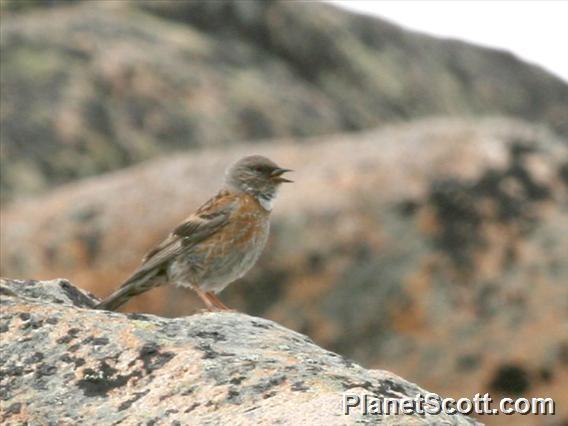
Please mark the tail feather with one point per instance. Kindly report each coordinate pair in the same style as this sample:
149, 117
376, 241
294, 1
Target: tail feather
131, 287
116, 300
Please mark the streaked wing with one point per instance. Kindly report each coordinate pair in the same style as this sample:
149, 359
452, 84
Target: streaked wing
207, 220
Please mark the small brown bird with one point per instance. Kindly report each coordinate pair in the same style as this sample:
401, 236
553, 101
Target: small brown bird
218, 243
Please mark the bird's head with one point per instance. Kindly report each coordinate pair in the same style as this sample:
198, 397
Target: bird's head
256, 175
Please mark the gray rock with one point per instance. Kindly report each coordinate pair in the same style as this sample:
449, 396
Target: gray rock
63, 363
100, 85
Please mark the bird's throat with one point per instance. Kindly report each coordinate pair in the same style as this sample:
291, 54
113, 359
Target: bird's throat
266, 201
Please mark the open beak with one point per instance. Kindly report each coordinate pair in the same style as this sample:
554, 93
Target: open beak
276, 175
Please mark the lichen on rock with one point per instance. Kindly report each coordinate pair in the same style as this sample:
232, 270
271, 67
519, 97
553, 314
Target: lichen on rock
63, 362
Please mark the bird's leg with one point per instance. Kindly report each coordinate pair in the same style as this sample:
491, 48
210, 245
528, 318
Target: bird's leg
217, 302
204, 296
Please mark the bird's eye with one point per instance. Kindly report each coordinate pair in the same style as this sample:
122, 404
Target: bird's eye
258, 169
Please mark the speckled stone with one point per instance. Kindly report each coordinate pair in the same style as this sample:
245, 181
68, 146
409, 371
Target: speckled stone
64, 363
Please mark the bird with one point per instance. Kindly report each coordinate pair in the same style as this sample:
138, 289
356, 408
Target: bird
217, 244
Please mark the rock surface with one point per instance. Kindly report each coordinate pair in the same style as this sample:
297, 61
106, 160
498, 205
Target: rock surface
99, 85
63, 363
419, 248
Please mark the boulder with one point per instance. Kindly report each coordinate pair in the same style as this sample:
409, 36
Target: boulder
65, 363
95, 86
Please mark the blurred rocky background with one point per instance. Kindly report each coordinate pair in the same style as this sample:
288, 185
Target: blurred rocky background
425, 233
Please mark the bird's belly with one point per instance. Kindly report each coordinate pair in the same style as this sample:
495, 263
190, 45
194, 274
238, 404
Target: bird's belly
229, 269
217, 262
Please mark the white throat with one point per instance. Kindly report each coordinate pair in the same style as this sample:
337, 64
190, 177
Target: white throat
266, 203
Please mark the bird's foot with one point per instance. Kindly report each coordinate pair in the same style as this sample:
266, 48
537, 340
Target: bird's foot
219, 309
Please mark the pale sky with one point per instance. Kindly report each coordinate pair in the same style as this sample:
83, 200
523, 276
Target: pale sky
535, 31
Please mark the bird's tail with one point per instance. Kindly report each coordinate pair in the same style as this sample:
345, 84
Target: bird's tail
133, 286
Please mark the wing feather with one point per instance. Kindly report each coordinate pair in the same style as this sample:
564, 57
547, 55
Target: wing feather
207, 220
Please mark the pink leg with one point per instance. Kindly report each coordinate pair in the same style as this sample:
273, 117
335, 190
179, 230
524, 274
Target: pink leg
204, 296
217, 302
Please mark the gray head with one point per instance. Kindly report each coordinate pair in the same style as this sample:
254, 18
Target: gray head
256, 175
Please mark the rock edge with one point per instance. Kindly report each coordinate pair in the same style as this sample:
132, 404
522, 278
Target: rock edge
63, 362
